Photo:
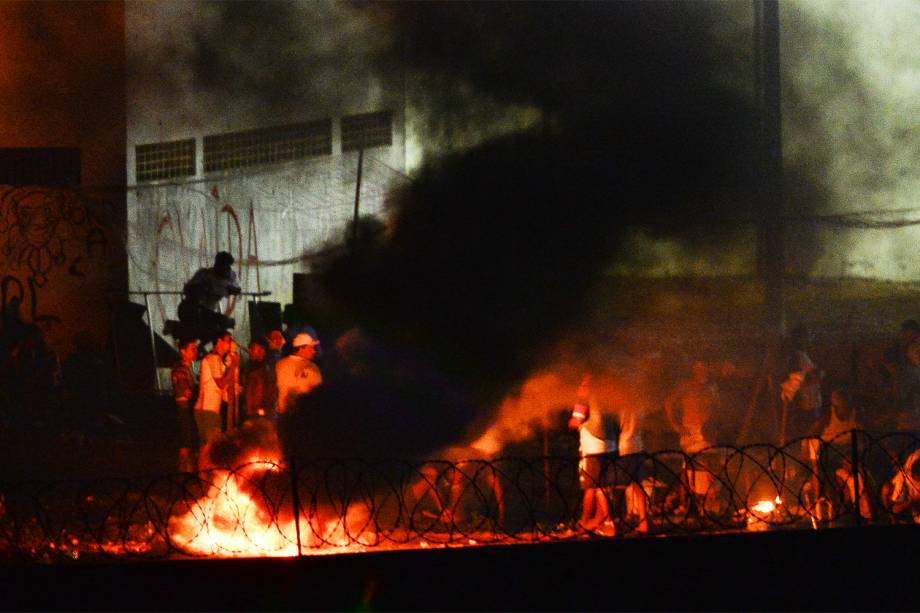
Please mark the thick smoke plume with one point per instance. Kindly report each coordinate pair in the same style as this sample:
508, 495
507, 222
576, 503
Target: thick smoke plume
256, 62
492, 251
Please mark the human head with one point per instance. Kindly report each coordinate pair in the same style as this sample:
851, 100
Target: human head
257, 350
275, 340
188, 349
223, 342
305, 345
223, 263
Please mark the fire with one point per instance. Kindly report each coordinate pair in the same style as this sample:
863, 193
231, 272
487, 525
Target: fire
235, 514
230, 521
249, 512
761, 513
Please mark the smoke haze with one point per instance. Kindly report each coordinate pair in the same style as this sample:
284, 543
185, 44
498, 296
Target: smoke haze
558, 141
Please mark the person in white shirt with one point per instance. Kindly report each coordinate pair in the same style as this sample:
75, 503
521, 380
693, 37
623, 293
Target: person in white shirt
218, 378
296, 374
597, 440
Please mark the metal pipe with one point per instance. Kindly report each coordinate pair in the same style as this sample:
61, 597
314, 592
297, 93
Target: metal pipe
854, 444
295, 500
179, 293
153, 343
354, 223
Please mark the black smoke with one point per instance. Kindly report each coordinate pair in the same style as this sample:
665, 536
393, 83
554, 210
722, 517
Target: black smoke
492, 250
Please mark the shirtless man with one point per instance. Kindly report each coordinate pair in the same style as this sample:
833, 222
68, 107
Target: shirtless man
690, 407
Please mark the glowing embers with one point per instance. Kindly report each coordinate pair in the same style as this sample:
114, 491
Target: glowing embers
763, 513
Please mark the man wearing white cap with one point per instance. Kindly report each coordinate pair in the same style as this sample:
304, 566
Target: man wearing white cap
297, 374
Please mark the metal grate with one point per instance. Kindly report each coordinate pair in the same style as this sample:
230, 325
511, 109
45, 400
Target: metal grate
165, 160
267, 145
367, 130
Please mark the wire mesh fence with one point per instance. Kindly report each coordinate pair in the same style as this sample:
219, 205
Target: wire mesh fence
318, 506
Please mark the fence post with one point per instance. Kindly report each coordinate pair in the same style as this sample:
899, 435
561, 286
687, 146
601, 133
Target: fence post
295, 499
854, 444
547, 496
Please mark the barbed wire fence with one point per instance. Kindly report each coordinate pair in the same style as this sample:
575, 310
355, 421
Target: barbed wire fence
318, 506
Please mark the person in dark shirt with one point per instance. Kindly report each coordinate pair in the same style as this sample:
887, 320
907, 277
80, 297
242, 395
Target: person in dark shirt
185, 392
259, 382
203, 293
275, 343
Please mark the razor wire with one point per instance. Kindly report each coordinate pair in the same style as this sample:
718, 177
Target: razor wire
320, 506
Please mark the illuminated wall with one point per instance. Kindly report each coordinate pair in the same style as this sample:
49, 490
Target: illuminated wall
62, 75
206, 75
61, 259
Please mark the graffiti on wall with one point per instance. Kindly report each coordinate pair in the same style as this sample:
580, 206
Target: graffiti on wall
274, 221
54, 251
172, 253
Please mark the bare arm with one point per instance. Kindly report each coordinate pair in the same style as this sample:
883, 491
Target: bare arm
670, 407
224, 380
230, 372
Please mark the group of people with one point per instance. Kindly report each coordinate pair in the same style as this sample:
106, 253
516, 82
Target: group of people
218, 392
613, 455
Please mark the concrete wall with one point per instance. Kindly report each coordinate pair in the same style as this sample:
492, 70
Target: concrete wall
60, 255
272, 221
62, 84
271, 218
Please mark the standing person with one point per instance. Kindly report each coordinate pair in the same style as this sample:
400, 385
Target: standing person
597, 437
631, 465
259, 382
801, 389
907, 389
234, 414
691, 406
275, 346
185, 392
296, 374
828, 432
908, 334
620, 393
203, 292
690, 409
218, 373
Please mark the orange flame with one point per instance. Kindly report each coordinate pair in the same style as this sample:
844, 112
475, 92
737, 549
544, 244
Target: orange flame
236, 518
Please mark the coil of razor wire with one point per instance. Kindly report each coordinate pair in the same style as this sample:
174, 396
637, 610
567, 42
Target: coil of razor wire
349, 505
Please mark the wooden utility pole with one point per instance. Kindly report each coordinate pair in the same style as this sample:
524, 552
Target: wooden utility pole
771, 245
767, 185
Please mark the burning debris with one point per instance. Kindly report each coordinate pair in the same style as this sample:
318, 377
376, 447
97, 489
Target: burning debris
277, 506
248, 504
